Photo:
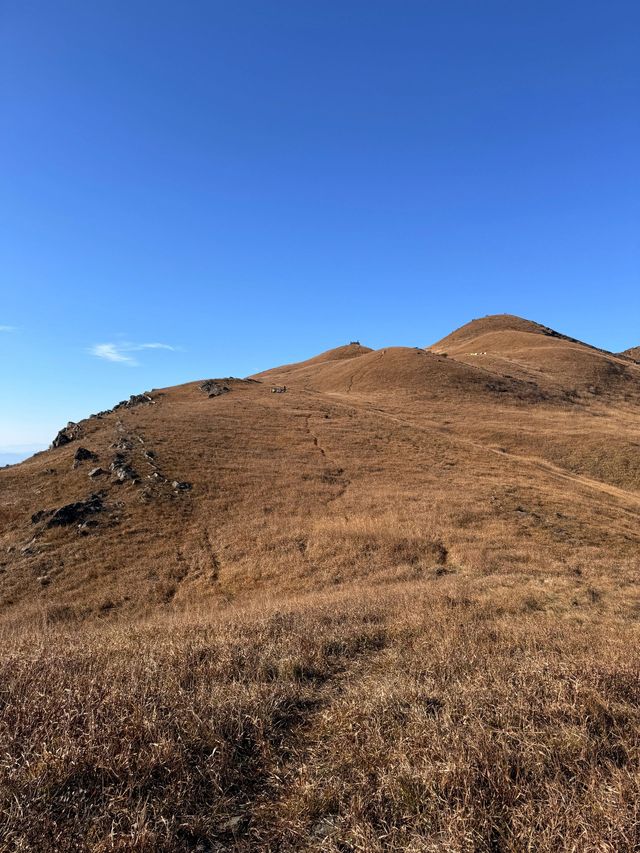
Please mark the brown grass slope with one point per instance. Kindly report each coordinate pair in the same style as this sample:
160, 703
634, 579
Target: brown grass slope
394, 608
455, 458
515, 347
445, 714
338, 354
407, 370
633, 352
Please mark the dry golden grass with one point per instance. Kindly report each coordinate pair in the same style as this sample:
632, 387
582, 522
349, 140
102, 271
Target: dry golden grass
443, 714
298, 490
398, 610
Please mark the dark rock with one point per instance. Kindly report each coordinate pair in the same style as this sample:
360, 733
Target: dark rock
75, 513
118, 460
125, 473
181, 486
214, 389
82, 454
40, 515
150, 454
69, 433
134, 400
97, 472
122, 470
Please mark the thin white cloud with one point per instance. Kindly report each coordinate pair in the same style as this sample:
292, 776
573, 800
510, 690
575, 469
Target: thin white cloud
156, 346
111, 352
7, 328
120, 352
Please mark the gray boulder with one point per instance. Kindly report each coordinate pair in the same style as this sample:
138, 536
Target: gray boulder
69, 433
82, 455
75, 513
214, 389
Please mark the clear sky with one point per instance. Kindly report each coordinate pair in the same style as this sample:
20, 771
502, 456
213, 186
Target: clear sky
195, 189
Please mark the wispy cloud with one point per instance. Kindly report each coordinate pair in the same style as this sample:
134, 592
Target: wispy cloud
155, 346
121, 352
112, 352
7, 328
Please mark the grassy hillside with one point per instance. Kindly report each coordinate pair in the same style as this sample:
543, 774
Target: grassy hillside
394, 608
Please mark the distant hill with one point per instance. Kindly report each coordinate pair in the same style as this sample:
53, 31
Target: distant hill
505, 443
517, 348
633, 352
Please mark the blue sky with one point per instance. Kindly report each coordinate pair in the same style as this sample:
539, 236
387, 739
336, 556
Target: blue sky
211, 188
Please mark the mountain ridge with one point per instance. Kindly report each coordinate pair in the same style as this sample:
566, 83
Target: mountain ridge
493, 449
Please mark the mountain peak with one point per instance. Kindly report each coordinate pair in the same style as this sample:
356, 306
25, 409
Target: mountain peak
494, 323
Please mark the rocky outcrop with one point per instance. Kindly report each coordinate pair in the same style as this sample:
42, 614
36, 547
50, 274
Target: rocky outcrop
83, 455
133, 401
66, 435
73, 513
213, 388
123, 471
